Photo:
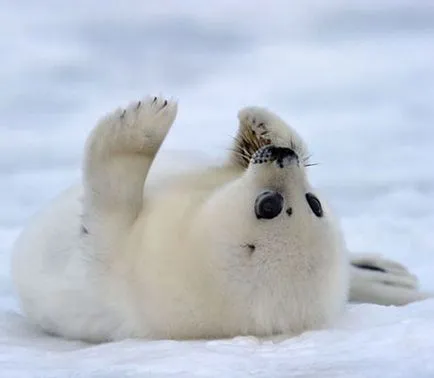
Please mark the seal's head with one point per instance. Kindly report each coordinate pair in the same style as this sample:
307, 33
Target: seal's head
275, 246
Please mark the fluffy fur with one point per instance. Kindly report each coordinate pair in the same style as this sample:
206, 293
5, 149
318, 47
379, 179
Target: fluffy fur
182, 255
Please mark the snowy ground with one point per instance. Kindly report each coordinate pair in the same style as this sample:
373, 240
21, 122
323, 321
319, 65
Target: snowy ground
357, 80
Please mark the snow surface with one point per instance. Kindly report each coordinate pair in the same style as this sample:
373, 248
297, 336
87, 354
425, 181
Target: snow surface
355, 78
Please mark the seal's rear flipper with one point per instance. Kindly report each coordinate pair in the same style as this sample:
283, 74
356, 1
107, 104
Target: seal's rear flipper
381, 281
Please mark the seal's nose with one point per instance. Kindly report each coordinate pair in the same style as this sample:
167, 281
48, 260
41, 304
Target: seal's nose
268, 205
283, 152
283, 156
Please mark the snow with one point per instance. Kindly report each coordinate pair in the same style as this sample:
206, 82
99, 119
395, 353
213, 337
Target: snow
355, 78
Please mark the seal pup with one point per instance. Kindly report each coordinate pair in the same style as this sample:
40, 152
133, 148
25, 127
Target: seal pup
246, 247
373, 278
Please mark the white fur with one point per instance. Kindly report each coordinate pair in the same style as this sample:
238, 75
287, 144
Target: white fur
171, 261
395, 285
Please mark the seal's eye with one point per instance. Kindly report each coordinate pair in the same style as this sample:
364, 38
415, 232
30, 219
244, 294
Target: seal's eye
314, 204
268, 205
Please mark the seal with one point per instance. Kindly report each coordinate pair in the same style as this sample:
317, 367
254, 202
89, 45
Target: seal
373, 278
244, 247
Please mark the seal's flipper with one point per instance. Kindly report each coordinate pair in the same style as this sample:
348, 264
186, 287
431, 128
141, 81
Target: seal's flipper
375, 279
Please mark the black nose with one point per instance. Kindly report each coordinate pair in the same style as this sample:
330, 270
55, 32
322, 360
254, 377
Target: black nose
283, 156
281, 153
268, 205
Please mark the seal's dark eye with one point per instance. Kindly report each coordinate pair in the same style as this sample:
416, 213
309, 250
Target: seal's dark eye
268, 205
314, 204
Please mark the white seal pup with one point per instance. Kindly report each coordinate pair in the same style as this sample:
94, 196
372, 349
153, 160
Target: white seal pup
244, 248
373, 279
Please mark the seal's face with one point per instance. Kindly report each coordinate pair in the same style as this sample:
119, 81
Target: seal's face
272, 251
288, 215
272, 245
270, 221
